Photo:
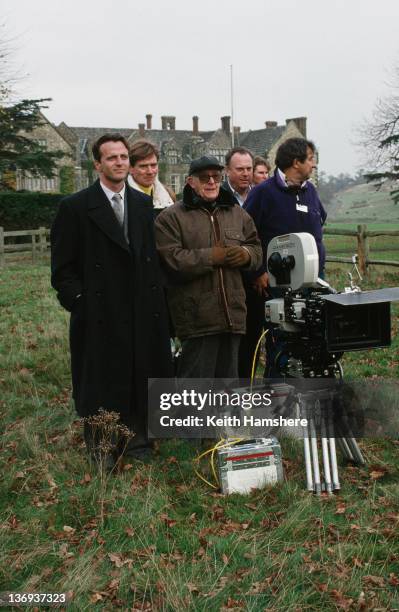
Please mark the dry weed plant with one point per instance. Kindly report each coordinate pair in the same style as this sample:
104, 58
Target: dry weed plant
109, 440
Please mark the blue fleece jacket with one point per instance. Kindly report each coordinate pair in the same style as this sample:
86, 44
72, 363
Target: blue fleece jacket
277, 209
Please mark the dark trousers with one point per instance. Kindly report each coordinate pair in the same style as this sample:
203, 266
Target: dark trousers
105, 438
255, 325
214, 356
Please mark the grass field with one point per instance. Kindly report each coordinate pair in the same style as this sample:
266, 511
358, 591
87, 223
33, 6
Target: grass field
154, 537
364, 204
371, 226
381, 247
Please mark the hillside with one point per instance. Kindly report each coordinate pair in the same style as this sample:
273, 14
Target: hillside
362, 203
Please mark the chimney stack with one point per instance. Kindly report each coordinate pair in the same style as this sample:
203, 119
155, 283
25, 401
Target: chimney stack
149, 121
195, 125
168, 122
300, 123
226, 124
237, 130
271, 124
142, 130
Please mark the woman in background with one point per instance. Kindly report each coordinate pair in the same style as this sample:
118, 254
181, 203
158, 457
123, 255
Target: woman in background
261, 170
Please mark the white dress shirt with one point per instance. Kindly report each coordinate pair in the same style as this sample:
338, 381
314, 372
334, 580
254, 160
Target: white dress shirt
110, 194
240, 199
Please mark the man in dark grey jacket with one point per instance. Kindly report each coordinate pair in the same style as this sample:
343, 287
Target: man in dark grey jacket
205, 241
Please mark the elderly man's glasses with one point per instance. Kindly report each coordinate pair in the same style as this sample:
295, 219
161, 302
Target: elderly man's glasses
207, 177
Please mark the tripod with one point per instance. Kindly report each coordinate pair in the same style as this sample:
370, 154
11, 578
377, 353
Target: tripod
322, 408
317, 408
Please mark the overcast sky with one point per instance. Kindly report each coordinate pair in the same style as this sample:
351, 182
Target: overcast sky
108, 64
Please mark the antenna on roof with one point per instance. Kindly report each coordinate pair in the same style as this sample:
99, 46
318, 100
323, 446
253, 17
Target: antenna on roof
232, 108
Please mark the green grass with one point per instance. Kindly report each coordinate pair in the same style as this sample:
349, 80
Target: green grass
371, 226
381, 247
155, 537
363, 204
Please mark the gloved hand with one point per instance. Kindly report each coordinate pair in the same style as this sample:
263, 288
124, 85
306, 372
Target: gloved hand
218, 255
236, 257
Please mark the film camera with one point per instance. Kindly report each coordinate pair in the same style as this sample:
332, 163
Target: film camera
315, 324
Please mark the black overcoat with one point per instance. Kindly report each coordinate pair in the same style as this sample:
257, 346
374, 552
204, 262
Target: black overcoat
119, 333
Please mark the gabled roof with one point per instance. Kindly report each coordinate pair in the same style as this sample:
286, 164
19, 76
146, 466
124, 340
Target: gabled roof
207, 136
261, 141
67, 133
93, 133
47, 122
258, 141
160, 136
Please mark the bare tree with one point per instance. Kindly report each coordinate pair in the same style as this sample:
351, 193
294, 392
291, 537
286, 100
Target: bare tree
380, 140
10, 74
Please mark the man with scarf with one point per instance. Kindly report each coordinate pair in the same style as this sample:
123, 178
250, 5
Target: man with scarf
143, 175
284, 204
204, 242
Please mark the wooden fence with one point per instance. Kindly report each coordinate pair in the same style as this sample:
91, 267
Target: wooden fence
363, 246
38, 243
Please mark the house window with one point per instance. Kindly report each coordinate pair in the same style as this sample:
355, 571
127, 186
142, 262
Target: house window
175, 182
219, 154
172, 156
42, 143
49, 184
30, 183
38, 183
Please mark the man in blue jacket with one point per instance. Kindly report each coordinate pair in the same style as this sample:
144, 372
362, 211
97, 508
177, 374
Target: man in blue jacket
285, 203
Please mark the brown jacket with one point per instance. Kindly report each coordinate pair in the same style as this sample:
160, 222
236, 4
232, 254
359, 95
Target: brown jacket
203, 299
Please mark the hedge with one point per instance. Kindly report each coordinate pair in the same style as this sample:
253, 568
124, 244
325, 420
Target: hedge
27, 210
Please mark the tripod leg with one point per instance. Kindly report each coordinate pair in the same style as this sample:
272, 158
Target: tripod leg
350, 440
342, 443
333, 451
356, 452
308, 463
301, 413
315, 456
334, 466
326, 458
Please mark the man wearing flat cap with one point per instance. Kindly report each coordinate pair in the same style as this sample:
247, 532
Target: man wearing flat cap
204, 243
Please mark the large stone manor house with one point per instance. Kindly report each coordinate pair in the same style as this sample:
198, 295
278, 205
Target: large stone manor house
177, 147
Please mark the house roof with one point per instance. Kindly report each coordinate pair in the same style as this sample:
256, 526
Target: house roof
156, 136
258, 141
261, 141
67, 132
59, 132
160, 136
93, 133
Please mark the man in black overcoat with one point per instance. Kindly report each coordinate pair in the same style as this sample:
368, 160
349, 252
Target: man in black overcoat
106, 273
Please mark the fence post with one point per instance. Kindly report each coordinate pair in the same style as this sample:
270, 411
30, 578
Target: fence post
33, 236
363, 249
2, 256
42, 240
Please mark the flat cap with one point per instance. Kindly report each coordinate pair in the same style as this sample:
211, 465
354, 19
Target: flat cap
203, 163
